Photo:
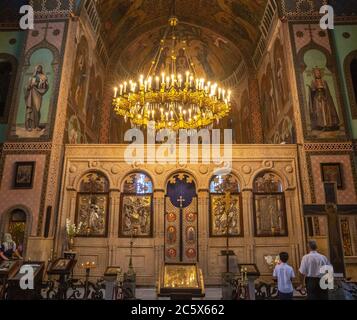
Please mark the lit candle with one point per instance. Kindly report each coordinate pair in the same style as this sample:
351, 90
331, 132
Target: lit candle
163, 78
121, 89
172, 115
150, 83
187, 76
180, 80
173, 80
115, 92
125, 85
141, 80
145, 86
168, 82
191, 81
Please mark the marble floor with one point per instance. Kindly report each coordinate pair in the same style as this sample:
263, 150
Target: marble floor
150, 294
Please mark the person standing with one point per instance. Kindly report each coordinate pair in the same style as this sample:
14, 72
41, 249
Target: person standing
310, 269
284, 274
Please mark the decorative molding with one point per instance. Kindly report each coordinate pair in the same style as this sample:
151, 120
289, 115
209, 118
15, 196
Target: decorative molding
46, 9
27, 147
307, 10
328, 147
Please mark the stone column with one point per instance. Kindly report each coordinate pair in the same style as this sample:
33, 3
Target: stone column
159, 231
113, 225
248, 224
203, 229
256, 114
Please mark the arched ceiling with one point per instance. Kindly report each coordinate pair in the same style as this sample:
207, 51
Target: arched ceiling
226, 31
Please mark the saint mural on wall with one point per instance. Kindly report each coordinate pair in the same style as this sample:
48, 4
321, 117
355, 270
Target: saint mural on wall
80, 76
323, 112
34, 111
281, 75
324, 116
37, 87
74, 130
269, 105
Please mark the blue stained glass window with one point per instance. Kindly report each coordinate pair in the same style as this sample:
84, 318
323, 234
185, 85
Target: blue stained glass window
138, 183
226, 183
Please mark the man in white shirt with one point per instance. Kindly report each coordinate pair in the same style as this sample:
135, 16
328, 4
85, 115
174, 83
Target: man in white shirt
284, 274
310, 269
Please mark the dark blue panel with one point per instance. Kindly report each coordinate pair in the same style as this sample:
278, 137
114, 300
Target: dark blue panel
181, 185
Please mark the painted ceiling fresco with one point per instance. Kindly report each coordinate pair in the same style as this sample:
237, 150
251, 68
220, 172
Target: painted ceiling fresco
213, 56
212, 25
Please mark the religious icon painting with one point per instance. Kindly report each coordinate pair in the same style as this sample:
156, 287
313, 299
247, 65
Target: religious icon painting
190, 217
191, 235
225, 222
136, 216
171, 235
270, 215
191, 253
171, 253
61, 264
346, 236
269, 206
92, 212
24, 173
5, 266
171, 217
136, 206
332, 172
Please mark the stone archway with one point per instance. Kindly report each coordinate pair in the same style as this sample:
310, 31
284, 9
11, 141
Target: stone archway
17, 222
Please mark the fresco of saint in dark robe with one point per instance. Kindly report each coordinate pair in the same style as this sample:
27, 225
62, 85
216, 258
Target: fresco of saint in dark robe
323, 112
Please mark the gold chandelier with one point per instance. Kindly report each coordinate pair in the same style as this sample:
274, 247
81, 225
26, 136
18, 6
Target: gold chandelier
171, 101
